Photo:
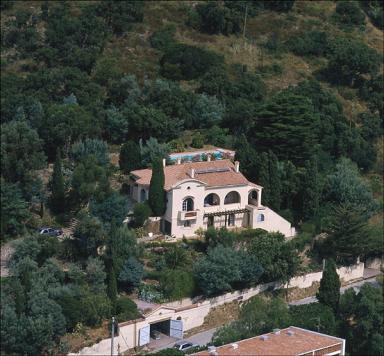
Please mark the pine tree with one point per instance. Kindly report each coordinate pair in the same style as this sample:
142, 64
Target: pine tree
156, 189
130, 157
311, 191
57, 186
263, 177
329, 291
274, 182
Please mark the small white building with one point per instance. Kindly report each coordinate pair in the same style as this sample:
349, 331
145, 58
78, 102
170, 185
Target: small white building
210, 193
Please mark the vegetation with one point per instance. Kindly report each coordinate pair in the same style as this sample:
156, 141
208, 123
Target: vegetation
295, 88
329, 290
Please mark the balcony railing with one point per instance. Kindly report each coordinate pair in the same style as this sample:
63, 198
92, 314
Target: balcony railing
188, 215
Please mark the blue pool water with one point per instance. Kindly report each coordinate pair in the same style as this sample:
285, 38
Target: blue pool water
189, 156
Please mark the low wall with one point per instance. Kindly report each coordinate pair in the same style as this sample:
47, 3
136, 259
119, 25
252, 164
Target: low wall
193, 314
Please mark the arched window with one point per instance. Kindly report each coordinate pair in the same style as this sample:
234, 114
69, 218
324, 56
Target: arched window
260, 217
211, 199
188, 204
232, 198
253, 197
142, 195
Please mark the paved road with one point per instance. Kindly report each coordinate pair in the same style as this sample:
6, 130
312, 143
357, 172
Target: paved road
200, 339
356, 286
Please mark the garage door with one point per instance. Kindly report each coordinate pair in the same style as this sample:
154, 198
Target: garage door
176, 329
144, 335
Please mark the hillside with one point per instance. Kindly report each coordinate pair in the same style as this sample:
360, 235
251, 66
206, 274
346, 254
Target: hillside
92, 90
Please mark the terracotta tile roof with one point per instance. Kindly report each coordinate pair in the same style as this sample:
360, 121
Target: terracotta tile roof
301, 341
178, 172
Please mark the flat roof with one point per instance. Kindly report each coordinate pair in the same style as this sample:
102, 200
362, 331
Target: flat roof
288, 341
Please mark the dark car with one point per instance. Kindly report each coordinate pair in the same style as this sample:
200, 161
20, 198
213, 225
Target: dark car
50, 231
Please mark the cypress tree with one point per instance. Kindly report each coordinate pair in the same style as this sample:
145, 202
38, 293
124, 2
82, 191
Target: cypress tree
311, 191
130, 157
274, 181
57, 186
263, 177
329, 291
156, 197
112, 284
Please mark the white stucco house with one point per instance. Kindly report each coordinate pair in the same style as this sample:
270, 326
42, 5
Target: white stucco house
210, 193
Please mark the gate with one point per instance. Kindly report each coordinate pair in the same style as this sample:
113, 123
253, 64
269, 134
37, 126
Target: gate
144, 335
176, 329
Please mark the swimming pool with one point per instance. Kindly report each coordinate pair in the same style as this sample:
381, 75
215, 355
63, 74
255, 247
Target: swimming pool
189, 156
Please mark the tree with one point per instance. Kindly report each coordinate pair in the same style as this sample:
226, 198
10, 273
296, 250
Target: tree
224, 268
287, 122
95, 147
130, 157
188, 62
347, 235
278, 258
141, 213
263, 176
58, 203
311, 189
126, 309
120, 15
131, 274
14, 210
365, 308
274, 182
349, 13
21, 152
112, 284
89, 235
177, 284
206, 112
346, 187
156, 188
113, 207
96, 275
153, 150
329, 290
349, 59
314, 316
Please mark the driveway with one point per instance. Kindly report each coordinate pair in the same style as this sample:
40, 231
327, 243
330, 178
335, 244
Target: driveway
356, 286
200, 339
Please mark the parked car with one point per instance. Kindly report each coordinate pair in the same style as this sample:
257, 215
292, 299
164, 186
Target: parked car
155, 335
184, 345
50, 231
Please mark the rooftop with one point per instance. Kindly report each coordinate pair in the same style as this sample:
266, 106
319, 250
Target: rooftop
289, 341
212, 173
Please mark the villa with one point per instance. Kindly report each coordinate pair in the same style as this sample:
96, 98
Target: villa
209, 193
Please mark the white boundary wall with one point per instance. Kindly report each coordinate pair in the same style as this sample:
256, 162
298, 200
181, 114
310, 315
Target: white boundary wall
193, 314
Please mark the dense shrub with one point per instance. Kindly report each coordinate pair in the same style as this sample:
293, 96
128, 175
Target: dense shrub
188, 62
313, 43
141, 212
177, 284
126, 309
374, 9
349, 13
163, 39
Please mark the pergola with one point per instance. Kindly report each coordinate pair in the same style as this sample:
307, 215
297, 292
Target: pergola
226, 213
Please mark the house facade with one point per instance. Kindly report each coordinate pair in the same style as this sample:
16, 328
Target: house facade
210, 193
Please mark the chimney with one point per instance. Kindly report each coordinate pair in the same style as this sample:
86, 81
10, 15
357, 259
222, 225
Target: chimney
276, 331
164, 162
290, 332
178, 160
208, 157
237, 165
192, 173
235, 346
264, 337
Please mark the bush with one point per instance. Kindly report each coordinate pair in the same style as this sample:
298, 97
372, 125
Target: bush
141, 212
164, 38
131, 273
349, 13
150, 294
314, 43
177, 284
188, 62
126, 309
197, 140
